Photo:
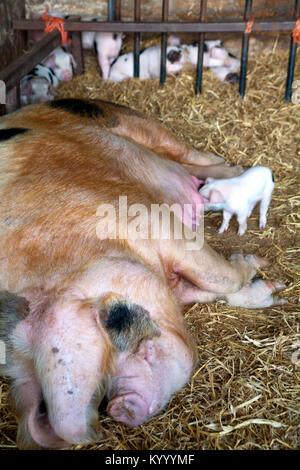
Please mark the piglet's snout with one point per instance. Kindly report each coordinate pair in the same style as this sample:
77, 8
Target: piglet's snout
66, 76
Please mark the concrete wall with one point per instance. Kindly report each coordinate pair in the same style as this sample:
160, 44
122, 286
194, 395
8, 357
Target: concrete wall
187, 10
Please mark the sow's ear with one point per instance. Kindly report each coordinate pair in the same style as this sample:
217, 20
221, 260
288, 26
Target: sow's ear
127, 324
12, 309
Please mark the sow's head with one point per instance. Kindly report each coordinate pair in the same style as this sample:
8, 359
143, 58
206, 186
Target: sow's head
65, 355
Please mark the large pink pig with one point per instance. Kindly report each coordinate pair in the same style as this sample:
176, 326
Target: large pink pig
91, 300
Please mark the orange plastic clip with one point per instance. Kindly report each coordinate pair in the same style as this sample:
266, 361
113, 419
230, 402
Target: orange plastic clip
52, 23
296, 31
249, 25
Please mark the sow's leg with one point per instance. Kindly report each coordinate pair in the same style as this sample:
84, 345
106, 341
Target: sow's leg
258, 294
188, 257
154, 136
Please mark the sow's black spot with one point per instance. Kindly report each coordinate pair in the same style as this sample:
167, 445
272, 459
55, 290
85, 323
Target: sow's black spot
273, 178
76, 106
119, 318
9, 133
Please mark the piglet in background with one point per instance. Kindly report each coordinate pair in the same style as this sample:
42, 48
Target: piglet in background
239, 196
62, 63
36, 90
107, 46
38, 86
149, 63
223, 64
33, 90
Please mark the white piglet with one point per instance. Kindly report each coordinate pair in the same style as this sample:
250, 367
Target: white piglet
107, 46
217, 59
239, 195
149, 63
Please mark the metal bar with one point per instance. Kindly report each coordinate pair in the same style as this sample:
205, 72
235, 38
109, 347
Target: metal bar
136, 38
77, 52
163, 47
292, 58
198, 87
132, 27
245, 48
13, 73
111, 10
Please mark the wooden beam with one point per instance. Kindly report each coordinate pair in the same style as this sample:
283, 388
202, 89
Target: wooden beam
136, 27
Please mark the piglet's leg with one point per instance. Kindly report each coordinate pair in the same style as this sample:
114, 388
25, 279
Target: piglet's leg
105, 66
242, 220
226, 218
263, 211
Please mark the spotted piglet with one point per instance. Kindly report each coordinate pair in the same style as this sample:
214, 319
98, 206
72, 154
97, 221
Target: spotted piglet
39, 85
239, 195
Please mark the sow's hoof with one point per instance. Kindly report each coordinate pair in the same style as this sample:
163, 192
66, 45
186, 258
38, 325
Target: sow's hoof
259, 294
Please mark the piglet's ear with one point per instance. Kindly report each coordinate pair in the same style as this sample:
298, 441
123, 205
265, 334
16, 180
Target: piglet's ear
73, 61
216, 197
209, 180
50, 61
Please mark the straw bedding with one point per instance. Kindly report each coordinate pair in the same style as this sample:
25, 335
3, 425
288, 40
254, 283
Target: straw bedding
245, 391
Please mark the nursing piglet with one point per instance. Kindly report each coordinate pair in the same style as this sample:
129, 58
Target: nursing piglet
239, 195
149, 63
